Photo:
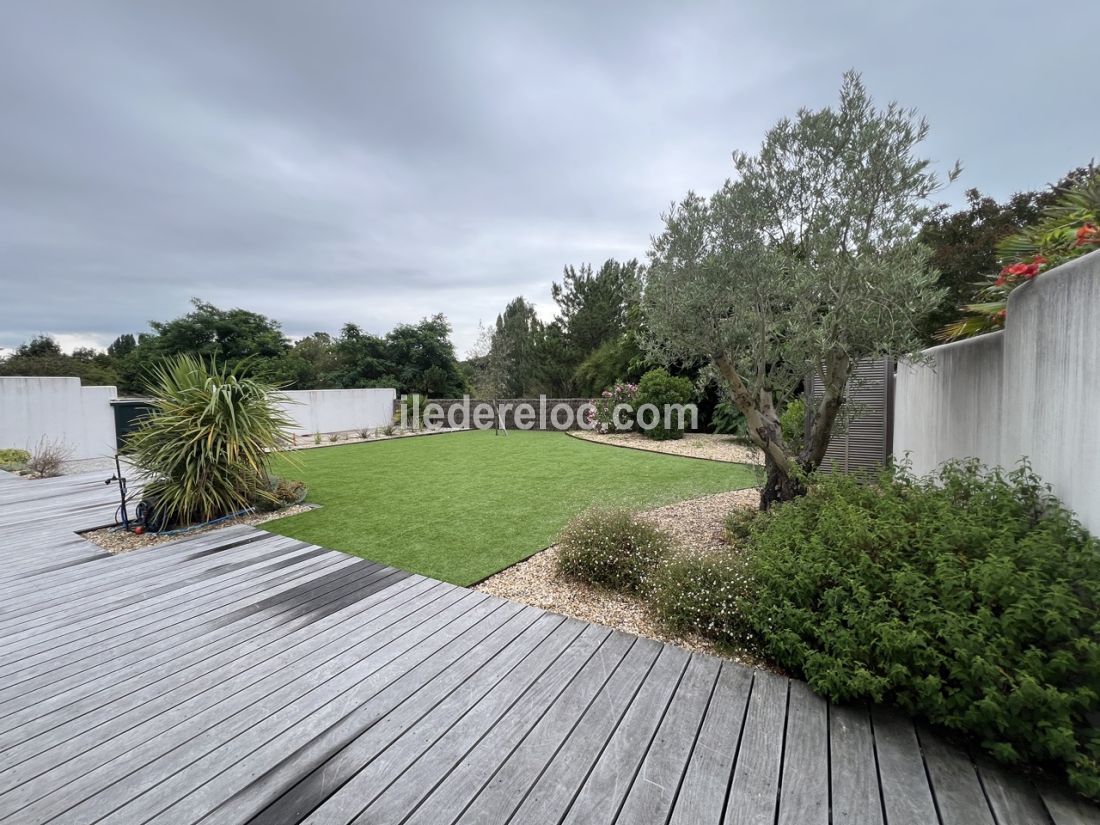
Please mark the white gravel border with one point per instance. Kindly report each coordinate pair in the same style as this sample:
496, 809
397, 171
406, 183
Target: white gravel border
696, 525
693, 445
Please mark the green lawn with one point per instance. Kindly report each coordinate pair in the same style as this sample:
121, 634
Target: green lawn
459, 507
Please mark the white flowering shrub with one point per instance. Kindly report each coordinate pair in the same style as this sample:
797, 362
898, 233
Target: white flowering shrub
699, 592
613, 549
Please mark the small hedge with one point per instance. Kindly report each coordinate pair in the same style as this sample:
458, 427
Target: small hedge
14, 460
971, 599
611, 548
704, 594
662, 390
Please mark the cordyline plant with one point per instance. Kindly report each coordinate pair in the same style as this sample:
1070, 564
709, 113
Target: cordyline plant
207, 446
1068, 229
807, 262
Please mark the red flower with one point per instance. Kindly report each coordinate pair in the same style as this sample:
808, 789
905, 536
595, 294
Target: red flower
1088, 234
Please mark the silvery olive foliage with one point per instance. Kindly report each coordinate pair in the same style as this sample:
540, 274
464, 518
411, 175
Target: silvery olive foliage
806, 260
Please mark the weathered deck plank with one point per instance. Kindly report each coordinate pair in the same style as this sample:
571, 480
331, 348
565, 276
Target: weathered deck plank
237, 676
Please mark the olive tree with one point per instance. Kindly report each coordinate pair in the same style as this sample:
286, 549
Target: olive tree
806, 261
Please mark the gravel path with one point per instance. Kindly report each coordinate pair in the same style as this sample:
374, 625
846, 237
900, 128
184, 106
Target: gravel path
695, 525
115, 540
696, 445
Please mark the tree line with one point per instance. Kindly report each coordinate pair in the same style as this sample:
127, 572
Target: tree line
413, 358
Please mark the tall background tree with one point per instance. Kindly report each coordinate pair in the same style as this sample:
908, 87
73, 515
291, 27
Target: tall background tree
591, 342
412, 358
42, 355
516, 349
808, 261
964, 242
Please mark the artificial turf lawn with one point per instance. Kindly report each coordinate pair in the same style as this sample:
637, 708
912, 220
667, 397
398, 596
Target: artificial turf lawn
462, 506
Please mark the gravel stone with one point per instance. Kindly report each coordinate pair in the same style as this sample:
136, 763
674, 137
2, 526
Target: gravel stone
695, 526
696, 445
115, 540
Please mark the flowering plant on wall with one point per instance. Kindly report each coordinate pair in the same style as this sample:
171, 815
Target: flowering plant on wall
602, 418
1068, 229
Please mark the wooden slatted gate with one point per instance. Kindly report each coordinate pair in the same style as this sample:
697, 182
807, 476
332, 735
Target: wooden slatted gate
864, 445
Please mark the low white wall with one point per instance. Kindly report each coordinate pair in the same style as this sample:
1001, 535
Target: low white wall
60, 410
1031, 391
329, 411
950, 406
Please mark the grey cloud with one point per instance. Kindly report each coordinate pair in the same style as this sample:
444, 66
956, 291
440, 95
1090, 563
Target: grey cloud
374, 162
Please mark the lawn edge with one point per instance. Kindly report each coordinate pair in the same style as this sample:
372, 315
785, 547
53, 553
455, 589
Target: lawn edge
576, 437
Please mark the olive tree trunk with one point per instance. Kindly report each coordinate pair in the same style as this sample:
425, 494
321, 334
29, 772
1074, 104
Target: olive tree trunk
785, 470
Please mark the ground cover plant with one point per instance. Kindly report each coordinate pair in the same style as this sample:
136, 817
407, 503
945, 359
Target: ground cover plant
14, 460
612, 549
971, 599
462, 506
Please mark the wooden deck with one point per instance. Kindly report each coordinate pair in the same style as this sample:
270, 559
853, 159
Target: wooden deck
244, 677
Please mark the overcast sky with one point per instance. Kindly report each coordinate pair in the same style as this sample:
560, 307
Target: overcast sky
324, 162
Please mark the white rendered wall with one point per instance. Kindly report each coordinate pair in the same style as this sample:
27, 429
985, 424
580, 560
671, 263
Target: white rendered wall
1031, 391
60, 410
328, 411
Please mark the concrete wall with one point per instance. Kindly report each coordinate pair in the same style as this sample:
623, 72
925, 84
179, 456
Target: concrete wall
82, 417
330, 411
60, 410
950, 407
1032, 390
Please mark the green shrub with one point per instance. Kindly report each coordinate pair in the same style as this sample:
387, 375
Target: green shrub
739, 524
209, 442
611, 548
971, 599
14, 460
702, 593
793, 424
728, 420
660, 389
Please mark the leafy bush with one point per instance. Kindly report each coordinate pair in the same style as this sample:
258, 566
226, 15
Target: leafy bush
702, 593
603, 418
728, 420
793, 424
611, 548
208, 444
48, 458
739, 524
662, 390
14, 460
971, 599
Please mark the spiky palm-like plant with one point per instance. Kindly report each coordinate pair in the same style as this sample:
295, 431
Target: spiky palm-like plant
207, 446
1069, 228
